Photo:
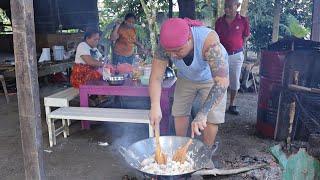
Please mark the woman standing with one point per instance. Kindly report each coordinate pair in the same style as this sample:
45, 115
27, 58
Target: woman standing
124, 35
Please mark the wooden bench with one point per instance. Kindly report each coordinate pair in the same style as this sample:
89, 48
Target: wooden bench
59, 99
98, 114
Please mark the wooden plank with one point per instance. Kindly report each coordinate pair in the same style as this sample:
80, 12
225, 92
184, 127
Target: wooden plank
101, 114
303, 89
27, 87
315, 33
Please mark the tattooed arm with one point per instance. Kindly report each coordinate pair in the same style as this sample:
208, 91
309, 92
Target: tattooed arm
214, 54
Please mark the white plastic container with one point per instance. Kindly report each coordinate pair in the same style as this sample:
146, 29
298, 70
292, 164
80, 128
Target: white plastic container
147, 71
58, 53
45, 55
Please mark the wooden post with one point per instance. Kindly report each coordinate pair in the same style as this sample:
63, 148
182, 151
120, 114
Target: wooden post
187, 8
292, 111
315, 33
27, 87
244, 7
276, 21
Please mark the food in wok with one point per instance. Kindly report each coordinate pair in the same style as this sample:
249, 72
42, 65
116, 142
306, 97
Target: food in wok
150, 166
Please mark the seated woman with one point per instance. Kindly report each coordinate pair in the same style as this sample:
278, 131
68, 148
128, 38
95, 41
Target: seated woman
124, 35
88, 59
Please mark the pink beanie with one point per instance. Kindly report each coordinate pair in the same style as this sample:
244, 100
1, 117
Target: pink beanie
174, 32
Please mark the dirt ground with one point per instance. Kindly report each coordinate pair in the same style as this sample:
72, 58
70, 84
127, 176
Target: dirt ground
81, 157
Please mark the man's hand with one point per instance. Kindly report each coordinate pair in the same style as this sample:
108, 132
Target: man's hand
198, 124
155, 116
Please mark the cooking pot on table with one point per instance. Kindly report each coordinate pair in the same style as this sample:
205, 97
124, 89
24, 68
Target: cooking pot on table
198, 151
116, 80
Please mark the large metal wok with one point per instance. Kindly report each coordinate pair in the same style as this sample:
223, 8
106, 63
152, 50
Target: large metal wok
198, 151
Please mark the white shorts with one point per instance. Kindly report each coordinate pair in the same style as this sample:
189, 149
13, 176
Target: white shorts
235, 64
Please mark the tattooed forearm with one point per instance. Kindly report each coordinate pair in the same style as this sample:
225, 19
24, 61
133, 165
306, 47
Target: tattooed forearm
220, 74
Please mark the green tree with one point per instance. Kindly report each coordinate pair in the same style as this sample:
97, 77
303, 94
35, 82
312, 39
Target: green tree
206, 11
295, 17
295, 28
118, 8
113, 9
301, 10
261, 16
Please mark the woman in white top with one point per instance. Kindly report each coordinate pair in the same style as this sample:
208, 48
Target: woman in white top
88, 59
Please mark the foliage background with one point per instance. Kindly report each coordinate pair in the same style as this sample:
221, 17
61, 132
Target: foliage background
296, 17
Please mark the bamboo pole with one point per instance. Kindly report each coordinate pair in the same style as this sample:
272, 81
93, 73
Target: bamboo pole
294, 87
292, 111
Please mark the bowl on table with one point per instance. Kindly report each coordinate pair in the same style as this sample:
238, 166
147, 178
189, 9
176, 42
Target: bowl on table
116, 80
